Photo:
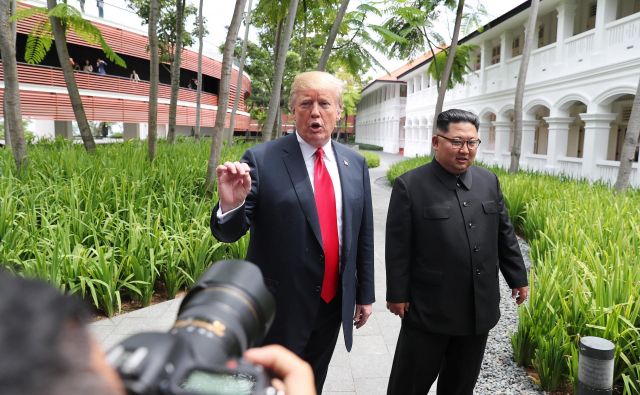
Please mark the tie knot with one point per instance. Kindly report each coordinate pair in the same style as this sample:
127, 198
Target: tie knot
319, 153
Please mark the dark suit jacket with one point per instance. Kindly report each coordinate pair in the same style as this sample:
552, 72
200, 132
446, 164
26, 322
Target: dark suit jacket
285, 239
444, 247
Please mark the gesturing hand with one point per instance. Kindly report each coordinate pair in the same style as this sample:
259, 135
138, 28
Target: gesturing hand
234, 184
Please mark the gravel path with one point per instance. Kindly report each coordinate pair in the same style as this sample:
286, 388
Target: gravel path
500, 374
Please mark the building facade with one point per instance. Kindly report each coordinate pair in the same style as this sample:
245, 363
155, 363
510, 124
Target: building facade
581, 83
116, 97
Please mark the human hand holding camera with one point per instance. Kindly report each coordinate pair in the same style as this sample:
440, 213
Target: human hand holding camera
294, 375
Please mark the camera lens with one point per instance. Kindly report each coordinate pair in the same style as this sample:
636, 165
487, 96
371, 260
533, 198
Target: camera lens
227, 311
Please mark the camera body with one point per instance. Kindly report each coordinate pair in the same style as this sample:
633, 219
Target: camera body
226, 312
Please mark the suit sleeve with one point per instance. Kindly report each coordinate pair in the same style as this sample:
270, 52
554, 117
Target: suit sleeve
365, 293
398, 243
237, 223
509, 255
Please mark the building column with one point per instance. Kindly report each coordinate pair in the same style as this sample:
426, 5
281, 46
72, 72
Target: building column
483, 65
596, 138
131, 131
605, 13
503, 128
528, 138
44, 129
428, 135
483, 135
566, 14
63, 129
557, 140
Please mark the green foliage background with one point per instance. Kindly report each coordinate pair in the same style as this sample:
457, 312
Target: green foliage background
111, 226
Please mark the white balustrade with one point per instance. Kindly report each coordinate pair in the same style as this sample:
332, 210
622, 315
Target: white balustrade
571, 167
580, 45
624, 32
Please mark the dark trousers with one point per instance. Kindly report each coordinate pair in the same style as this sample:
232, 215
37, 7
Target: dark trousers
323, 340
422, 356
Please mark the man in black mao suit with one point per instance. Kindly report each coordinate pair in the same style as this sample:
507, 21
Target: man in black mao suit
313, 242
448, 236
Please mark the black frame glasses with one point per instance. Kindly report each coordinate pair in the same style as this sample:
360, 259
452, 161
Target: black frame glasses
455, 143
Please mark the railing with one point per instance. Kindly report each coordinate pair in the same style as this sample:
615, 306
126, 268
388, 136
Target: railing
493, 77
571, 167
542, 58
607, 171
53, 76
581, 44
625, 31
513, 68
536, 162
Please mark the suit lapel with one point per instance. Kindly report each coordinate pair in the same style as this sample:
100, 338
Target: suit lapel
346, 184
294, 162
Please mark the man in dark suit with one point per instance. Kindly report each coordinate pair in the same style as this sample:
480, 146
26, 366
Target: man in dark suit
448, 235
307, 202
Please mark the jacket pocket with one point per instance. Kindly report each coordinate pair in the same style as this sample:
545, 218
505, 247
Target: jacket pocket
436, 212
490, 207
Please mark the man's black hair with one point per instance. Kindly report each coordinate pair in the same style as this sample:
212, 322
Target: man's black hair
45, 346
456, 116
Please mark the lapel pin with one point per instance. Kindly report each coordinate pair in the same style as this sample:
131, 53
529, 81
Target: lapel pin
346, 163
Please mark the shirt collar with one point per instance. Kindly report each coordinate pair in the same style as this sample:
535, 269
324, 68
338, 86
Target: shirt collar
309, 151
453, 181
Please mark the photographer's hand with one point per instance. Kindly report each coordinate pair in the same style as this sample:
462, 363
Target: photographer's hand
294, 372
234, 184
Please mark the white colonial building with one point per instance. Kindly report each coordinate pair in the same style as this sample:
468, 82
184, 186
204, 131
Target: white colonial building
580, 86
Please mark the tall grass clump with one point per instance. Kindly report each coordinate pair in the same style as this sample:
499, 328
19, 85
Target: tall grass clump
585, 278
111, 226
373, 160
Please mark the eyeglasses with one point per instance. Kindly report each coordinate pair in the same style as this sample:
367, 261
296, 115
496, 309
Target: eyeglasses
457, 143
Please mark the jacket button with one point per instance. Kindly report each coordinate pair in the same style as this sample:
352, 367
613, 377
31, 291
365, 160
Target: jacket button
476, 249
478, 271
317, 288
466, 204
470, 225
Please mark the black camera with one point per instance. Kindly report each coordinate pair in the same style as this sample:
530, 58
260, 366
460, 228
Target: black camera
226, 312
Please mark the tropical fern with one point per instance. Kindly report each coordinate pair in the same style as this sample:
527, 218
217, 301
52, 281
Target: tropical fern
460, 64
38, 42
40, 38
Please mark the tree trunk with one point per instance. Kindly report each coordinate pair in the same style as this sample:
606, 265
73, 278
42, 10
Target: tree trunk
274, 101
444, 81
303, 45
223, 94
322, 65
175, 72
631, 142
530, 35
199, 88
70, 80
154, 74
243, 56
14, 132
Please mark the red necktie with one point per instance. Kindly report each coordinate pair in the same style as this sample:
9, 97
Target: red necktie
326, 206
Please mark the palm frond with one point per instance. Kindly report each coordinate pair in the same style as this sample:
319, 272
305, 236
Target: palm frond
39, 42
92, 35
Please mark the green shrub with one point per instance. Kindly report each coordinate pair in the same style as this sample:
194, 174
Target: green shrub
372, 159
399, 168
110, 226
369, 147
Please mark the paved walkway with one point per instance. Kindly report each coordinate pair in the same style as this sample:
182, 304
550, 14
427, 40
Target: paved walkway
363, 371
